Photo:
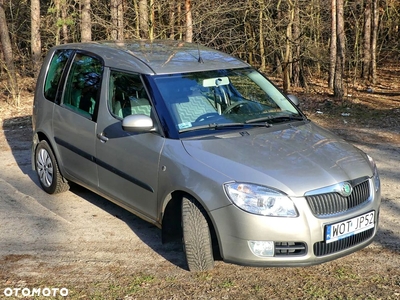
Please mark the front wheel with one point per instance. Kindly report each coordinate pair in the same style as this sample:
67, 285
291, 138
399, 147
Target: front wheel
196, 236
47, 170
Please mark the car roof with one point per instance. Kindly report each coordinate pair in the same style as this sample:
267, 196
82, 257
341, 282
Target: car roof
158, 56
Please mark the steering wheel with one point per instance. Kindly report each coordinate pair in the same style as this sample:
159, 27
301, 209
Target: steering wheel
206, 116
238, 105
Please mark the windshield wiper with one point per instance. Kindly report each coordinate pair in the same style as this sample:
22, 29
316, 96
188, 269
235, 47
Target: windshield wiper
216, 126
277, 118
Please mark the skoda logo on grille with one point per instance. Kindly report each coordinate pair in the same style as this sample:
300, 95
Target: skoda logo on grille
346, 189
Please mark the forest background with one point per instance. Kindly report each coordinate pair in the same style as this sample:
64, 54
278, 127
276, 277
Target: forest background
341, 42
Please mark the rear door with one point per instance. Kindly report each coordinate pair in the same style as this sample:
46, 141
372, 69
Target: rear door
128, 163
74, 120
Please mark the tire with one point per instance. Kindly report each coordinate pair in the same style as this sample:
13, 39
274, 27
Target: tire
196, 236
47, 170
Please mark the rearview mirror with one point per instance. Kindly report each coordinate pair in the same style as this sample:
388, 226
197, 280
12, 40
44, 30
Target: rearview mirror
215, 82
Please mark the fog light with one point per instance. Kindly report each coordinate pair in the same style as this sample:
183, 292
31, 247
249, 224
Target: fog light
262, 248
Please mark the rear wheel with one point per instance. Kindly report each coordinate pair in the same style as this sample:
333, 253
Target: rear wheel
196, 236
47, 170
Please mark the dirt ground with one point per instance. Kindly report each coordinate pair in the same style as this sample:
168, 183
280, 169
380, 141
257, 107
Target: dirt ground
81, 242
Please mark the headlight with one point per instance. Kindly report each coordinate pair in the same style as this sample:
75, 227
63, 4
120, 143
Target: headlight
260, 200
377, 180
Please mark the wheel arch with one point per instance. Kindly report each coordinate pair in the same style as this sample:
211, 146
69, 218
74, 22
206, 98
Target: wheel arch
37, 138
172, 218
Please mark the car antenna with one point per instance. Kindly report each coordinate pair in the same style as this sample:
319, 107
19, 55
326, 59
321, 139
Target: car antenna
200, 59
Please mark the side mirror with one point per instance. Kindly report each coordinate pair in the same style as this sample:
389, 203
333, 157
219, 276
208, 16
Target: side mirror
137, 123
294, 99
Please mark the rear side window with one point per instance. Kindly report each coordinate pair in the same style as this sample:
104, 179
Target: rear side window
54, 73
82, 87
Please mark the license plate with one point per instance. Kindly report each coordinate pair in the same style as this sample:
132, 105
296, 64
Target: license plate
341, 230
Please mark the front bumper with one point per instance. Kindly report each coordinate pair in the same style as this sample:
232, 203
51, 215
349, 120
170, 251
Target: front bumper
298, 241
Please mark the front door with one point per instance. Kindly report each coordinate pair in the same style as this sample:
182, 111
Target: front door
128, 163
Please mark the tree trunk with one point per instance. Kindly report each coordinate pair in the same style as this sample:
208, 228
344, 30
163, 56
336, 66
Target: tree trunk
152, 21
144, 19
114, 19
287, 61
261, 35
86, 25
250, 48
172, 19
366, 62
57, 6
296, 72
375, 24
36, 45
117, 20
341, 32
137, 18
64, 16
318, 26
61, 16
341, 60
189, 22
120, 12
333, 46
8, 57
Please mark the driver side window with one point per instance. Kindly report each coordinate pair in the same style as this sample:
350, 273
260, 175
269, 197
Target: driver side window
127, 95
251, 91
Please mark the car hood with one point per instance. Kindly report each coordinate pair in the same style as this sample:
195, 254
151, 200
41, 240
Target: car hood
293, 159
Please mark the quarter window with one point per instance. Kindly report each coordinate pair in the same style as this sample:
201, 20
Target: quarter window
54, 73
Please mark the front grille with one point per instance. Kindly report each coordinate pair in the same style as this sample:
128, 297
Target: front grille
332, 203
322, 248
290, 248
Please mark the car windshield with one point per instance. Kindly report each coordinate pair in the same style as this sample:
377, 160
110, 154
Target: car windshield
224, 99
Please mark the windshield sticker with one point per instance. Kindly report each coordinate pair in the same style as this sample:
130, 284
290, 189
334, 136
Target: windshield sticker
184, 125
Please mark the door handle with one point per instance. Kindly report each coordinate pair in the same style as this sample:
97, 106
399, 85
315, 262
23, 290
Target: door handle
102, 137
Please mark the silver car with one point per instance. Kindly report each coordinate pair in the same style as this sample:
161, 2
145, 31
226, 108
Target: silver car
205, 147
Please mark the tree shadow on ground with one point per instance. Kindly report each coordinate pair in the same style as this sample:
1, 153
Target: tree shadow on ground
18, 135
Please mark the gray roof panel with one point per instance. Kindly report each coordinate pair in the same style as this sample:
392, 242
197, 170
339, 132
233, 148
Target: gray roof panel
160, 56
